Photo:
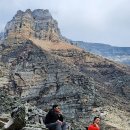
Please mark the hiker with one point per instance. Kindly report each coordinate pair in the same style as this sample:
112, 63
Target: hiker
95, 124
54, 119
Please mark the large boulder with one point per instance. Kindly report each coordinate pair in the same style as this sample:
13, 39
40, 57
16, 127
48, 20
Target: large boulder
17, 119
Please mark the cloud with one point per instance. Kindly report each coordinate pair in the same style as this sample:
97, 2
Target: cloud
105, 21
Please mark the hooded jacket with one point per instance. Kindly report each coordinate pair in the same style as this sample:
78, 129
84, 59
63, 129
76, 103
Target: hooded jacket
52, 117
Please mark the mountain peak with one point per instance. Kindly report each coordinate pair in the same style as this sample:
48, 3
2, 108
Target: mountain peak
19, 12
38, 24
41, 14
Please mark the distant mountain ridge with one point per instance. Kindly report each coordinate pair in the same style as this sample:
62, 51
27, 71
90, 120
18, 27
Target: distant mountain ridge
119, 54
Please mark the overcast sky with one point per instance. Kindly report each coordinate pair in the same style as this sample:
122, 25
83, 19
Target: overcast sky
100, 21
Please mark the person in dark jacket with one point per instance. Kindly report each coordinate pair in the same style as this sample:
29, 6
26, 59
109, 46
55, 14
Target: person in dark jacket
54, 119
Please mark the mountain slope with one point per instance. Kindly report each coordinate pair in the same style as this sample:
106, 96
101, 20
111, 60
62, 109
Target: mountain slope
79, 81
45, 71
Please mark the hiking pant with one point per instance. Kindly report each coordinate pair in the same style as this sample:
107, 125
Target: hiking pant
56, 126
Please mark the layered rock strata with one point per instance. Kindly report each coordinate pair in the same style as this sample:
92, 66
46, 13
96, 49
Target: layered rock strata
37, 24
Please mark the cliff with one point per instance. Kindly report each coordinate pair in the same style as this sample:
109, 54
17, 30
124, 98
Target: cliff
38, 24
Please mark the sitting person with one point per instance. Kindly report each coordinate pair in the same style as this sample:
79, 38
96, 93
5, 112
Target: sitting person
95, 125
54, 119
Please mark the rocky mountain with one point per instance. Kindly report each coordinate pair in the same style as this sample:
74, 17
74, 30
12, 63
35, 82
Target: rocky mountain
37, 24
45, 70
118, 54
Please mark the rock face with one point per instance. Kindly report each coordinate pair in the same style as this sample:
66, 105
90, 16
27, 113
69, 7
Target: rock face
15, 114
84, 85
38, 24
119, 54
79, 81
12, 112
44, 77
17, 120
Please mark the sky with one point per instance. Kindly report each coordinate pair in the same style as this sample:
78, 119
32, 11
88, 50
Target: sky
98, 21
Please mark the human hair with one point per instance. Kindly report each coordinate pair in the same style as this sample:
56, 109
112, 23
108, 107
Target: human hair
95, 118
54, 106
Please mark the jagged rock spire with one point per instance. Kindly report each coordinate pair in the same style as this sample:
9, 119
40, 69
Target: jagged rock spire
37, 24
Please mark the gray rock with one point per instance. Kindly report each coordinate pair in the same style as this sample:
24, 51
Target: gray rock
37, 24
17, 120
